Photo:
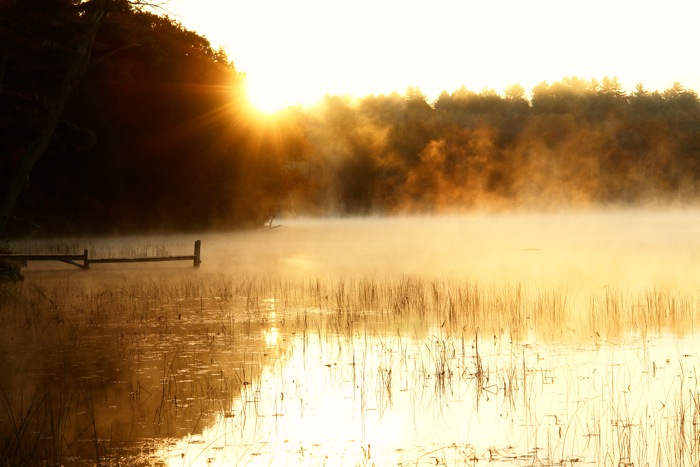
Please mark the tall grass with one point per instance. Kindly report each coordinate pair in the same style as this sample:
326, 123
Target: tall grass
183, 346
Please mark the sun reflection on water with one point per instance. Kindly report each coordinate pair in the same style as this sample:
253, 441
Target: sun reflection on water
384, 400
270, 336
495, 341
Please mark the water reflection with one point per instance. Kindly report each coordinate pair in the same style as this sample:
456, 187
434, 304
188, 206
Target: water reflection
389, 400
101, 372
515, 340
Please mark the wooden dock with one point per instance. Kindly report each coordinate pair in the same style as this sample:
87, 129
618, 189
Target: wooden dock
84, 261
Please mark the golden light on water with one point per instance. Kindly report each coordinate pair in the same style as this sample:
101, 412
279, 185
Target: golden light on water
330, 402
356, 389
510, 339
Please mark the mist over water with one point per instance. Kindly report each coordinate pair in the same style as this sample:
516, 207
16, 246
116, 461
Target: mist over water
242, 360
582, 252
626, 249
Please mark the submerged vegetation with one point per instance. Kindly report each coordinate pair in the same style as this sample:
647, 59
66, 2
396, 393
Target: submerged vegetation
144, 369
193, 367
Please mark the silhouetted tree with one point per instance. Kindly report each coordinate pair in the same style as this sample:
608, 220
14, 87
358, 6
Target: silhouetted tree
48, 45
159, 135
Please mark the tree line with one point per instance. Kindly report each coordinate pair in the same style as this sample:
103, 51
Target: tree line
575, 143
157, 134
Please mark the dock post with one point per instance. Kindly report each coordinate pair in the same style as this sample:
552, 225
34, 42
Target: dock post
197, 251
86, 262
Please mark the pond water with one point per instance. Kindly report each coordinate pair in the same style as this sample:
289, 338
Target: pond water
520, 339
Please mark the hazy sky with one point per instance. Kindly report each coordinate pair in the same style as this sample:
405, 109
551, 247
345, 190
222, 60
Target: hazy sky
297, 50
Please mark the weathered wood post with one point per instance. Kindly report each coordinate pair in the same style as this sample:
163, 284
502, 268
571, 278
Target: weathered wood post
197, 251
86, 262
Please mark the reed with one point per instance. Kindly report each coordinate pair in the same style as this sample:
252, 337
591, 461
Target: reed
188, 345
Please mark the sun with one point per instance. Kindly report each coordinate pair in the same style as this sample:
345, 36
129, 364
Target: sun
272, 92
266, 99
268, 96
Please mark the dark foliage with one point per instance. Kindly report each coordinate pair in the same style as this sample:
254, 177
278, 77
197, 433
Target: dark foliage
575, 144
159, 136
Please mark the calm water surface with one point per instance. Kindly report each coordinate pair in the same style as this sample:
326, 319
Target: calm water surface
341, 342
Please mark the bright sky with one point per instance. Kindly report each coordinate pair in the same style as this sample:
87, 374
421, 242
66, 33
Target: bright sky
295, 51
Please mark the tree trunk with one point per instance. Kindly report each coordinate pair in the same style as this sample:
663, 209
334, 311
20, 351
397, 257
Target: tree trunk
76, 69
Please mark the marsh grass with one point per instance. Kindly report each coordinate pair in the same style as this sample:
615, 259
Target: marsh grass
157, 348
107, 248
173, 352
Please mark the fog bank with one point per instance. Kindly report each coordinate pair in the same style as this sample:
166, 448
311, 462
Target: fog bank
617, 249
